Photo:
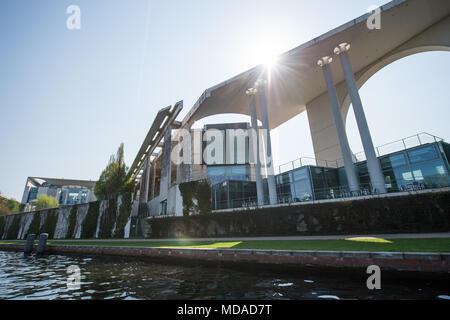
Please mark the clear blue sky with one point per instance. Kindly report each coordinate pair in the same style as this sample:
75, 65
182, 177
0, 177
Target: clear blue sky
69, 98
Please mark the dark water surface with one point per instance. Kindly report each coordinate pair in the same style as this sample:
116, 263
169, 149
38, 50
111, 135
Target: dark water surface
31, 277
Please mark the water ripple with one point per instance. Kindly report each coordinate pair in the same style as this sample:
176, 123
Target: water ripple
28, 277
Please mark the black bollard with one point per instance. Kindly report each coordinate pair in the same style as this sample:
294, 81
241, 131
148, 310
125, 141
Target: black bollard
30, 243
42, 245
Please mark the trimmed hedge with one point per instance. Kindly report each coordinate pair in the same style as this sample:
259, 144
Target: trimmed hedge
427, 212
13, 230
35, 224
72, 222
49, 225
107, 220
89, 225
2, 225
124, 214
112, 223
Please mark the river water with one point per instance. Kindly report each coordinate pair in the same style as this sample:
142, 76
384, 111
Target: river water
31, 277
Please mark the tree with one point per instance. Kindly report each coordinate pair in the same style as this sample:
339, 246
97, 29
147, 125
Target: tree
112, 178
13, 205
4, 208
46, 202
8, 205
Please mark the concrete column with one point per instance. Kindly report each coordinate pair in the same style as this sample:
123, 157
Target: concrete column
342, 136
273, 198
88, 196
66, 197
146, 181
373, 164
166, 165
255, 146
26, 192
80, 196
154, 181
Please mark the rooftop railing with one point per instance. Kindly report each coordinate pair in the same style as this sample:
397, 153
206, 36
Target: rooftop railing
392, 147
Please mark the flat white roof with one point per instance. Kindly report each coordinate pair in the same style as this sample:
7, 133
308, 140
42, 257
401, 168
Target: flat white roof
297, 80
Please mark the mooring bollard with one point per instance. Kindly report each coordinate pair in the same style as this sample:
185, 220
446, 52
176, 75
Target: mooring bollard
30, 243
42, 245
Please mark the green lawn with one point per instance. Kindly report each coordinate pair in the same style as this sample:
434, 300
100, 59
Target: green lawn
370, 244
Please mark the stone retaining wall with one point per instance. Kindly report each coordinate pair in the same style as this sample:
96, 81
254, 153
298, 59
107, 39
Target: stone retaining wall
407, 261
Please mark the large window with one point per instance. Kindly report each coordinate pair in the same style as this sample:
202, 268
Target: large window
301, 189
431, 174
423, 154
233, 194
218, 174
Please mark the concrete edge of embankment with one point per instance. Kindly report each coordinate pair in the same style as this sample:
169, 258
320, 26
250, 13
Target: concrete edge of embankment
402, 261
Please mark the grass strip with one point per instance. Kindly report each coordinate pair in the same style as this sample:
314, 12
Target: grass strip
392, 245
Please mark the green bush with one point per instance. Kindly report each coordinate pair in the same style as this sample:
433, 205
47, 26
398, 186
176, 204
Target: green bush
200, 191
46, 202
89, 225
35, 224
13, 230
409, 214
107, 220
124, 214
2, 226
72, 222
49, 225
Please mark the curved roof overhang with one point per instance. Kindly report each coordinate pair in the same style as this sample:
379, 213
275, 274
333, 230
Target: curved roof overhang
60, 183
297, 80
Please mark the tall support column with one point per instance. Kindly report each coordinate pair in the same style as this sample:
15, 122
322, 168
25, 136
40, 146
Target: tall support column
80, 196
166, 165
153, 181
273, 198
342, 136
373, 164
146, 181
66, 197
255, 145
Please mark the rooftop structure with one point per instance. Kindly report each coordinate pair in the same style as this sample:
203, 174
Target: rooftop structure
322, 77
65, 191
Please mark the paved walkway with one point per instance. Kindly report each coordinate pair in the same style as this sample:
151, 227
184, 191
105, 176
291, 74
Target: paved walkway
339, 237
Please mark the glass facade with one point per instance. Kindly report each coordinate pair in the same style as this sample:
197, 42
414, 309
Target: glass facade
233, 194
417, 168
32, 195
218, 174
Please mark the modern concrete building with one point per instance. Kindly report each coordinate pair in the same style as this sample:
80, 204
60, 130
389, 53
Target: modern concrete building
66, 192
322, 77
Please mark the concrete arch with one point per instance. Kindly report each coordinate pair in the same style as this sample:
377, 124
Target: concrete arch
363, 78
432, 39
211, 118
323, 130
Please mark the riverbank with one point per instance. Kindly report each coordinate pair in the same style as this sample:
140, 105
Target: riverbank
427, 255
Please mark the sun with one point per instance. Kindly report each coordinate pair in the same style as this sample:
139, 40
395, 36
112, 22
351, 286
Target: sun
270, 61
265, 50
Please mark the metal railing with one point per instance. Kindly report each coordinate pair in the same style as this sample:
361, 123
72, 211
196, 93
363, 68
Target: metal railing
400, 145
365, 189
392, 147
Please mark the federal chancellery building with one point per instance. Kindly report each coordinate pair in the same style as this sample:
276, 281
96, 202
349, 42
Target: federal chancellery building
321, 77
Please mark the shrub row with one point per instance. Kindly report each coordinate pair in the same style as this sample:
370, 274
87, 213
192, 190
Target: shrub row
415, 213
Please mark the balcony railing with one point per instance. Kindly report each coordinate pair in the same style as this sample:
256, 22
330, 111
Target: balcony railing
392, 147
401, 145
334, 193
